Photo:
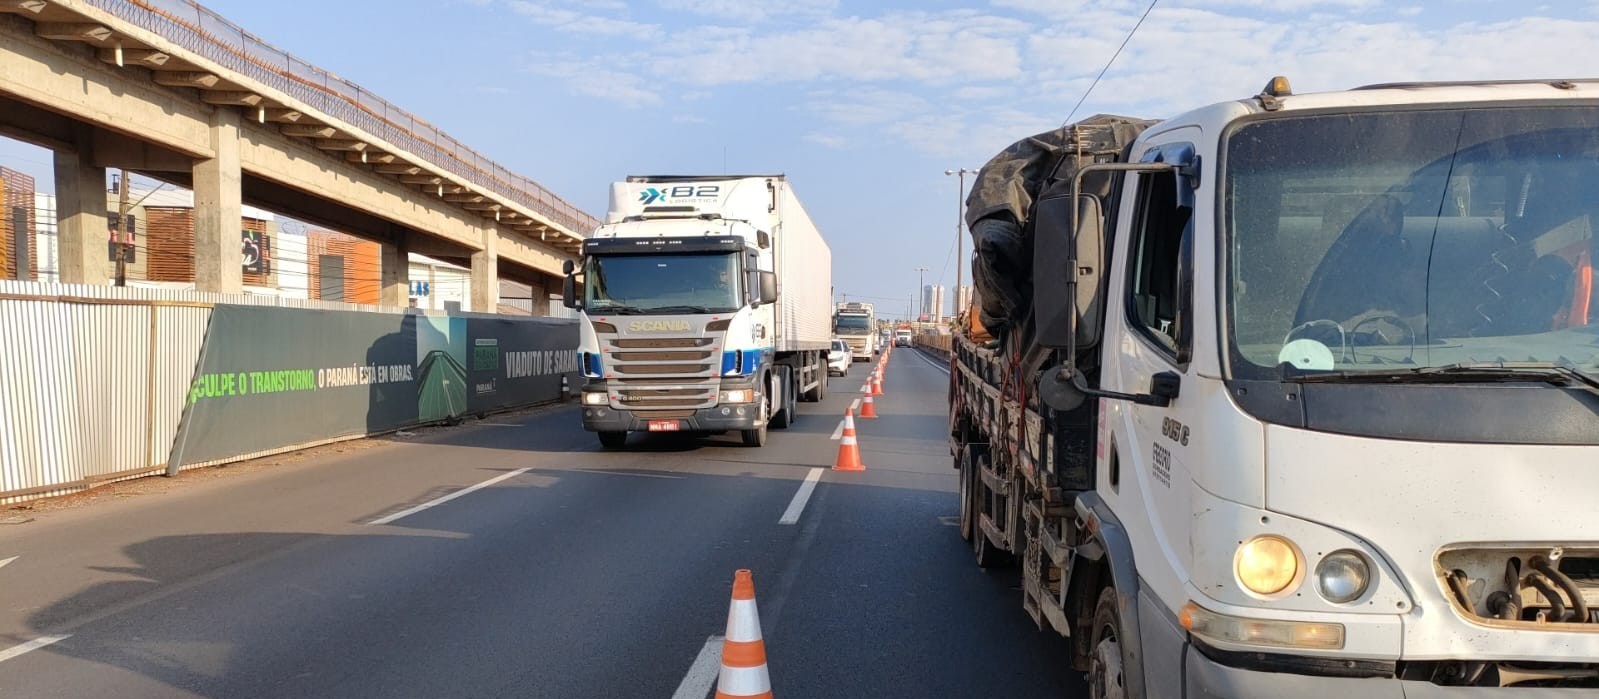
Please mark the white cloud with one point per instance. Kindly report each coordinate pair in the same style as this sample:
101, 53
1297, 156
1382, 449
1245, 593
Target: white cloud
832, 141
935, 48
573, 21
866, 106
752, 11
586, 78
689, 119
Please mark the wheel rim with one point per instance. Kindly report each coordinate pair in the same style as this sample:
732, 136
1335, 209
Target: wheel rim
1105, 669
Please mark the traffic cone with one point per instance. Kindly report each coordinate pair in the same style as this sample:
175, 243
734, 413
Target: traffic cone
868, 408
743, 652
849, 453
877, 384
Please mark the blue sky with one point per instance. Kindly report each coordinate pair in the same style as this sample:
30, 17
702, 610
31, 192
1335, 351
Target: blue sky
864, 105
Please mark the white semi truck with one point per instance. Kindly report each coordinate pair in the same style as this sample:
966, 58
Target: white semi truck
856, 324
1307, 402
704, 308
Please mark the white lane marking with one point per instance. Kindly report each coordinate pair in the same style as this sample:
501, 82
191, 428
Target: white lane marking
801, 496
855, 405
34, 644
936, 365
837, 432
4, 561
608, 472
439, 501
702, 674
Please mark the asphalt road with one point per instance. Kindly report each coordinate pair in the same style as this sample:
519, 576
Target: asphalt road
576, 573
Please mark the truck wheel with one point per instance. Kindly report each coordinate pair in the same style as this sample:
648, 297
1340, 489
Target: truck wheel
784, 415
1105, 679
757, 436
613, 440
968, 517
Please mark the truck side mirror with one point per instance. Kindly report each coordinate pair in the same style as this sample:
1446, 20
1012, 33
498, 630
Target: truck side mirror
567, 266
569, 291
1068, 301
768, 282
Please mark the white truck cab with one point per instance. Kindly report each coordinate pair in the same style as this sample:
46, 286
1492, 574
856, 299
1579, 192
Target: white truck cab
1333, 360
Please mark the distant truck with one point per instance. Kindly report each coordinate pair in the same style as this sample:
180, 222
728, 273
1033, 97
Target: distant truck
856, 323
1301, 396
902, 338
704, 308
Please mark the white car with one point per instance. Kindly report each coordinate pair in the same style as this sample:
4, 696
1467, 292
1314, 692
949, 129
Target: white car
839, 358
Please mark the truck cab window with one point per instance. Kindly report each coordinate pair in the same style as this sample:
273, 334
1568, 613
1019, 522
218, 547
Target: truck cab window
1153, 284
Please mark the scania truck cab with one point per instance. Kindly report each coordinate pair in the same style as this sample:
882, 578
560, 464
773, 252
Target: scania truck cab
1316, 402
703, 305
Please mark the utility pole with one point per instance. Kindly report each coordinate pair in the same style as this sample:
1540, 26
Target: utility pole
921, 288
123, 232
960, 220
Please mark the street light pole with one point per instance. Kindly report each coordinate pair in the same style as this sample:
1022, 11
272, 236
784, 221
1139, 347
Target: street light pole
921, 288
960, 220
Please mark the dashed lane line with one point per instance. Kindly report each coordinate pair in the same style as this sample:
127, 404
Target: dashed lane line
702, 674
34, 644
801, 496
441, 500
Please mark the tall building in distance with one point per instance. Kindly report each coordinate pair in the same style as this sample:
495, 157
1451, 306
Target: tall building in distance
933, 303
963, 299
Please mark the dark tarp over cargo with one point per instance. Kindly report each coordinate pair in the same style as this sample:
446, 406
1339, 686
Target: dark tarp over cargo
1000, 206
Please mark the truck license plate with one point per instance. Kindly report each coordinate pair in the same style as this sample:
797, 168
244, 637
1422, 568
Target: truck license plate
663, 425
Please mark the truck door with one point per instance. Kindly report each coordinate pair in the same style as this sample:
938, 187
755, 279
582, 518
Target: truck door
1149, 328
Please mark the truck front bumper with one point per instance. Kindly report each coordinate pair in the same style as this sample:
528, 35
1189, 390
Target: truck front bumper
1207, 679
721, 418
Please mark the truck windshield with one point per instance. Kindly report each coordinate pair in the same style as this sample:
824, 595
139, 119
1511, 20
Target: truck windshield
662, 284
1384, 241
852, 325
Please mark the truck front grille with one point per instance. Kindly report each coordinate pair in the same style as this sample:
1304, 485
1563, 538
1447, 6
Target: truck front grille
657, 373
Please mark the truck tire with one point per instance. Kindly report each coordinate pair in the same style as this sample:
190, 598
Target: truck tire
1105, 680
613, 440
963, 461
784, 415
757, 436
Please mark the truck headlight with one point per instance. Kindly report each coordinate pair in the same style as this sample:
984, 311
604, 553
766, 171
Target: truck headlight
1267, 565
594, 398
1343, 576
1260, 632
738, 395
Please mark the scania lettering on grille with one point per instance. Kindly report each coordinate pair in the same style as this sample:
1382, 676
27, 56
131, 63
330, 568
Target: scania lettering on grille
658, 326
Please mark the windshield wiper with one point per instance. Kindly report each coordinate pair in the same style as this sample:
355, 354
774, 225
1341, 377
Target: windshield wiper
1558, 373
681, 309
620, 309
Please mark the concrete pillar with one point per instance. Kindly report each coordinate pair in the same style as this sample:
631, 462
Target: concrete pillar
218, 210
81, 220
486, 274
396, 284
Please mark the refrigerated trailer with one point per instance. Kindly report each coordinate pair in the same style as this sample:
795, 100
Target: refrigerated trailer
705, 306
1306, 401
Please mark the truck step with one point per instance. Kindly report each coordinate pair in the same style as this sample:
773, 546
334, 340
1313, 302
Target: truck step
1034, 595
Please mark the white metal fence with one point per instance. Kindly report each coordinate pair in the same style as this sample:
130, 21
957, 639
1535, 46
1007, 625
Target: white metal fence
93, 379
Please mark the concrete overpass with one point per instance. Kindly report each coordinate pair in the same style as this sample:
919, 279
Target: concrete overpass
170, 89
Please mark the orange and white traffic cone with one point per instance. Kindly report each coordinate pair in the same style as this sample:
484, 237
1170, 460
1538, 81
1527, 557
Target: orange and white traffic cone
744, 672
849, 453
868, 408
877, 384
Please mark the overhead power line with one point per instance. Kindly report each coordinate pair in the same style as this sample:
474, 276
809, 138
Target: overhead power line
1108, 63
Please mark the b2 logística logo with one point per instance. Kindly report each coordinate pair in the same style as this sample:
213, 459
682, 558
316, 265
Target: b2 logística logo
684, 193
